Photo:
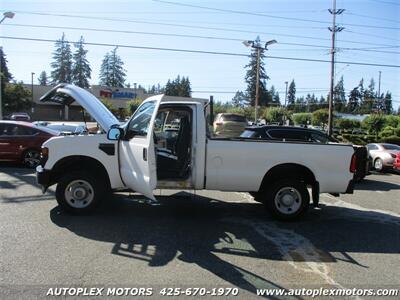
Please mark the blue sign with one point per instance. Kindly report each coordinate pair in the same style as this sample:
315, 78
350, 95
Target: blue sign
128, 95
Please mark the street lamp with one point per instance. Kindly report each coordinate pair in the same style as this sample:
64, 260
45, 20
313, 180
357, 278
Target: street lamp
256, 45
7, 14
32, 107
286, 92
10, 15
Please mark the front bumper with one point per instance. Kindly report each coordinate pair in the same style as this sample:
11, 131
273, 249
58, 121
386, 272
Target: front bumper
43, 178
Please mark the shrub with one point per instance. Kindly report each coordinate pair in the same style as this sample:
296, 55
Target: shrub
132, 105
276, 114
391, 140
374, 123
320, 117
302, 118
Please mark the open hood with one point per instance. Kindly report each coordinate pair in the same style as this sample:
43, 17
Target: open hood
65, 94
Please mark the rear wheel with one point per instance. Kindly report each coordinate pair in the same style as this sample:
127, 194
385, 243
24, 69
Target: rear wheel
378, 164
81, 192
287, 199
31, 158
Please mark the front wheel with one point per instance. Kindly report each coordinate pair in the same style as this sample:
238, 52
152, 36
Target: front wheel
287, 199
80, 192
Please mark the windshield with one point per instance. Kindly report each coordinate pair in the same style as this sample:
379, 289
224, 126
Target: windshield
390, 147
69, 128
140, 121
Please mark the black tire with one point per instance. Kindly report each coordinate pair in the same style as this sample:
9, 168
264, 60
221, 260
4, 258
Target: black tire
378, 164
31, 158
81, 193
296, 192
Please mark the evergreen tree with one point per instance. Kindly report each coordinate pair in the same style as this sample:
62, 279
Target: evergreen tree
43, 78
291, 96
355, 99
312, 103
112, 73
81, 70
105, 70
239, 99
339, 96
300, 105
251, 77
62, 62
388, 108
5, 74
369, 104
178, 87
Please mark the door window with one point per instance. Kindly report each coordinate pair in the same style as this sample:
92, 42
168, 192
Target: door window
140, 122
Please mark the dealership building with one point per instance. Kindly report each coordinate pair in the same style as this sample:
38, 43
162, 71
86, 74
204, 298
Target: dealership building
55, 112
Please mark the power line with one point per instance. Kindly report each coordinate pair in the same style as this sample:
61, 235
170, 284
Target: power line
198, 27
202, 52
269, 16
185, 36
372, 17
373, 35
386, 2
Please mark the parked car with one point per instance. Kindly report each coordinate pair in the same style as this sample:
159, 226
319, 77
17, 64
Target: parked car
382, 155
307, 135
21, 116
396, 163
287, 133
229, 125
21, 142
68, 129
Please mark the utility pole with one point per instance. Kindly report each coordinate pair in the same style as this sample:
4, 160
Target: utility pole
333, 29
32, 109
379, 85
286, 92
257, 85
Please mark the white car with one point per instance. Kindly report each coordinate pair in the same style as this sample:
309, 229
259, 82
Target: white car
141, 157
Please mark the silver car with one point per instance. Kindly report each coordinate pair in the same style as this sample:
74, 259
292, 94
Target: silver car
229, 125
382, 155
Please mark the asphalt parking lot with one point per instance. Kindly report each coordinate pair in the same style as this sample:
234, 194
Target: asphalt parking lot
207, 239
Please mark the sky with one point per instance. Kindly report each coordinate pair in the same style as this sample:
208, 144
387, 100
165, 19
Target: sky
371, 35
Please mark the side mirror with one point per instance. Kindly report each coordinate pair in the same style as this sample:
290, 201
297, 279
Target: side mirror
115, 134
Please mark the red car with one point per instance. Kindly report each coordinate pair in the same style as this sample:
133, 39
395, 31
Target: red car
396, 163
21, 142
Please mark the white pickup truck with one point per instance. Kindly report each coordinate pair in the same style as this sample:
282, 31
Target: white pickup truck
166, 145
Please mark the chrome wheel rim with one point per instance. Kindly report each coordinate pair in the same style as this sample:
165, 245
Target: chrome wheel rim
378, 164
79, 194
32, 158
288, 200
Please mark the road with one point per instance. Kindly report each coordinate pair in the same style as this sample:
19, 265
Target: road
211, 239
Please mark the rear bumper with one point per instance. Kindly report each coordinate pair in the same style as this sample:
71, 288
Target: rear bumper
43, 178
350, 187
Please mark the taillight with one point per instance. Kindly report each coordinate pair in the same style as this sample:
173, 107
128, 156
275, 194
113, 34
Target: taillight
353, 163
393, 155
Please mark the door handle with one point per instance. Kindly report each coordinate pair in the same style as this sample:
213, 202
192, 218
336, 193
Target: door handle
144, 154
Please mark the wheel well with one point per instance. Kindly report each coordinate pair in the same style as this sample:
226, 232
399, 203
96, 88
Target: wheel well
26, 150
288, 171
78, 163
